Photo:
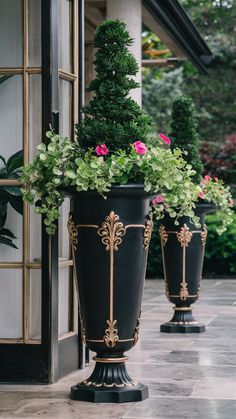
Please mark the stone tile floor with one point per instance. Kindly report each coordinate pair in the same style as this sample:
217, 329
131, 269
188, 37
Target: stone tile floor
189, 376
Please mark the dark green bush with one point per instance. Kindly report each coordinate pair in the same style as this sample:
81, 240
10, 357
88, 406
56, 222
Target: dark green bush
154, 265
184, 133
112, 117
220, 257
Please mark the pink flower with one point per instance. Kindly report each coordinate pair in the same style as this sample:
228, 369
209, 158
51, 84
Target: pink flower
204, 180
159, 198
165, 139
216, 179
231, 202
201, 195
140, 147
207, 178
101, 150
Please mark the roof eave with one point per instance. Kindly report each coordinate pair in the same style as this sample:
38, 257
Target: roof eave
175, 21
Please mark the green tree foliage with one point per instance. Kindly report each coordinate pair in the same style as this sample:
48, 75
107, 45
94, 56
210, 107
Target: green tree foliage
160, 89
184, 133
214, 95
112, 117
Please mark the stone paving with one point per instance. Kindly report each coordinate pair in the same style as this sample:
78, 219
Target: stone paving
189, 376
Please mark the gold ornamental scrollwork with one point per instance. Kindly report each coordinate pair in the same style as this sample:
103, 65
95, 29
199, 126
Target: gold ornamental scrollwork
163, 235
111, 334
136, 331
83, 332
148, 232
183, 295
184, 236
112, 231
204, 235
73, 231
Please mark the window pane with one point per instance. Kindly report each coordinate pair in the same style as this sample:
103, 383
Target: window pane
11, 127
10, 303
65, 107
35, 304
63, 242
35, 113
65, 35
35, 33
11, 33
13, 223
64, 302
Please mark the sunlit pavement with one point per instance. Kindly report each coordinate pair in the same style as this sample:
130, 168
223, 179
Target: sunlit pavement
189, 376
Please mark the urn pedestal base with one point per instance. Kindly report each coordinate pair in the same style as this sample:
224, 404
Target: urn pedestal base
182, 322
109, 383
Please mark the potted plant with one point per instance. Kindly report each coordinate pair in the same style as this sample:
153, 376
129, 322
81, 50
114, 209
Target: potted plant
110, 237
183, 247
11, 169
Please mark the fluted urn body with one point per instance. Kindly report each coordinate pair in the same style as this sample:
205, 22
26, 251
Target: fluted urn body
183, 248
110, 239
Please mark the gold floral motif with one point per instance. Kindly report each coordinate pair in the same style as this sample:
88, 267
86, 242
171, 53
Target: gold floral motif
184, 236
112, 231
83, 332
163, 235
111, 334
148, 232
73, 232
204, 235
98, 384
184, 291
136, 331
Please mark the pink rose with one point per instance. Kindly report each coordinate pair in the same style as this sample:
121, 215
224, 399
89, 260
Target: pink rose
140, 147
231, 202
101, 150
201, 195
159, 198
166, 139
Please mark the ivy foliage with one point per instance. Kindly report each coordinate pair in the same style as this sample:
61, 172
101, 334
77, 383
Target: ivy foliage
112, 117
63, 164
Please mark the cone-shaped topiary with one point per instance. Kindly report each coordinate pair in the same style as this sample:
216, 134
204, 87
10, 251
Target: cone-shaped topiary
112, 117
184, 133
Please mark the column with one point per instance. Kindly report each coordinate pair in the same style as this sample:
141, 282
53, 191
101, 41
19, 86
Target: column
130, 12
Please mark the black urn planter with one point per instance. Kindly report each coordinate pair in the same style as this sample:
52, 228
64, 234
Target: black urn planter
110, 239
183, 249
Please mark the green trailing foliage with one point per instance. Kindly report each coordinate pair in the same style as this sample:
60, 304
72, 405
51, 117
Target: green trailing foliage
10, 195
112, 117
184, 133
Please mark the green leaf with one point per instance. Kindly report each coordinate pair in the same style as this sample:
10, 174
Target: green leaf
16, 203
3, 160
7, 232
15, 162
3, 218
5, 77
7, 242
13, 190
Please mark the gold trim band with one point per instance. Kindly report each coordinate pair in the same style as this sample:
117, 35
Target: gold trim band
189, 296
182, 308
110, 360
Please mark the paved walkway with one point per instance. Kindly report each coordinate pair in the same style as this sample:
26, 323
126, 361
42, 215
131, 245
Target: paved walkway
189, 376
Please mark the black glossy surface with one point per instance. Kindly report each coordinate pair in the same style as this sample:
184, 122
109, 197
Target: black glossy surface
93, 265
101, 395
174, 267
